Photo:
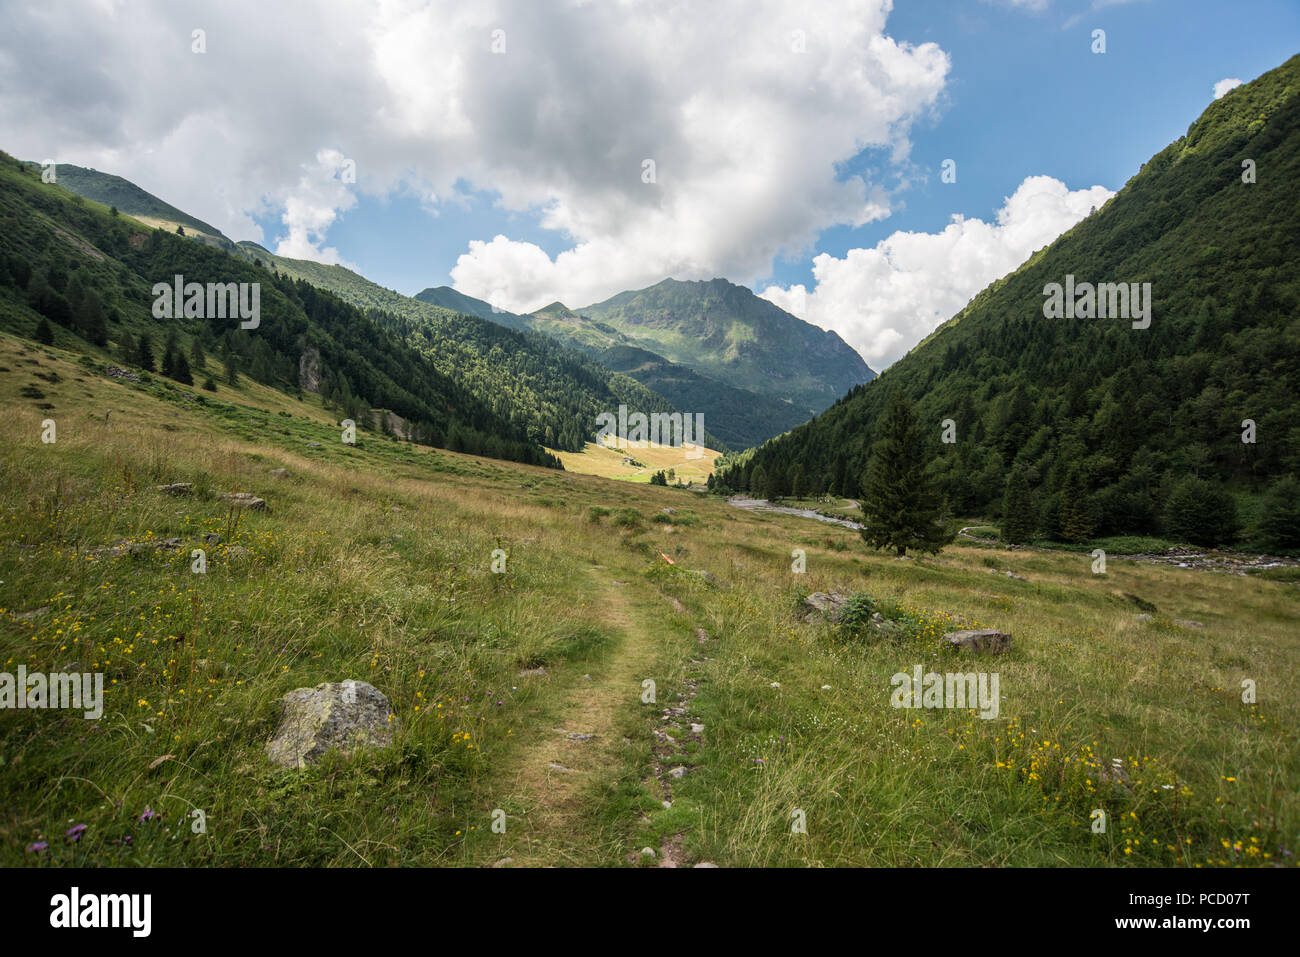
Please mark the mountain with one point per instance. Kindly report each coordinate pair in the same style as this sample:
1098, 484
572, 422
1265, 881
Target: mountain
739, 418
1133, 423
81, 276
552, 392
126, 197
449, 298
724, 331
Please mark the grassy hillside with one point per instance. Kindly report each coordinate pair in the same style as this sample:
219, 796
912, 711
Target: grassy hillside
82, 276
1141, 429
374, 563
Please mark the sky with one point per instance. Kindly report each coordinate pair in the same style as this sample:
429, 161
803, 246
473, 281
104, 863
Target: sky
527, 151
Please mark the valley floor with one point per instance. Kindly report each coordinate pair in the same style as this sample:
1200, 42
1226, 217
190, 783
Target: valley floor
640, 676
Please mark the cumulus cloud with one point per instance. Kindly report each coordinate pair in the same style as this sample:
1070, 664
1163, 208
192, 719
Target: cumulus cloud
886, 299
1224, 85
748, 108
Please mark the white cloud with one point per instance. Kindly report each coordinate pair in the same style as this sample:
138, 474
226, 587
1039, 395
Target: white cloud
1223, 86
747, 134
885, 300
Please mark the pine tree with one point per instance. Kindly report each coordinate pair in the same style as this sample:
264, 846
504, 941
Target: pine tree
1017, 509
45, 332
198, 359
758, 482
232, 369
144, 353
1076, 509
901, 503
181, 370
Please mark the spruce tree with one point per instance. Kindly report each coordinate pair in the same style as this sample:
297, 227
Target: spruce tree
144, 353
1076, 509
758, 482
127, 350
45, 332
1018, 518
901, 503
798, 486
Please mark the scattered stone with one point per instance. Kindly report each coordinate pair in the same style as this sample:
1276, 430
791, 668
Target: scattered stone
314, 445
237, 551
113, 372
558, 767
775, 684
280, 473
34, 613
244, 500
579, 736
697, 729
1185, 623
344, 716
979, 640
678, 772
504, 862
1145, 617
667, 805
648, 852
212, 538
830, 604
533, 673
826, 687
1016, 577
177, 488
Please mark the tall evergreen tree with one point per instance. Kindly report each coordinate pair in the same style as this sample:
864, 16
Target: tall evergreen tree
758, 482
144, 353
45, 332
1076, 509
798, 485
901, 502
1018, 517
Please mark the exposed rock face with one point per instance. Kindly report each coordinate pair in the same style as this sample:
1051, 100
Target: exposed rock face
344, 716
177, 488
980, 640
309, 370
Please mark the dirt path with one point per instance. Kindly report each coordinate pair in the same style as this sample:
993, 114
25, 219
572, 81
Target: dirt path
562, 762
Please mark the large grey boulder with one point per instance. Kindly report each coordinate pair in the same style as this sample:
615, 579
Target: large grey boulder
347, 716
833, 605
980, 640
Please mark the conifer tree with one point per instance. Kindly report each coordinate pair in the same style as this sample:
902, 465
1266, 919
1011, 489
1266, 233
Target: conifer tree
45, 332
144, 353
758, 482
901, 503
1076, 509
1018, 518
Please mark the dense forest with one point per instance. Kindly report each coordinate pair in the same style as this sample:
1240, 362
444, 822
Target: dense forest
1189, 428
69, 264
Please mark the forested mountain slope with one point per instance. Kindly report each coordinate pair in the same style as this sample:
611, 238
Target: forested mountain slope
1124, 425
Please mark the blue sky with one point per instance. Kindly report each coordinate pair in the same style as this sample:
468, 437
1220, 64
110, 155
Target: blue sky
1025, 96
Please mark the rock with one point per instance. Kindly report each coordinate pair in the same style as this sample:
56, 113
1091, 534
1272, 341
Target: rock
244, 500
579, 736
504, 862
706, 864
557, 767
279, 473
533, 673
697, 729
1145, 617
648, 852
314, 445
212, 538
1183, 622
177, 488
344, 716
979, 640
34, 613
1016, 577
831, 604
775, 684
237, 551
678, 772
